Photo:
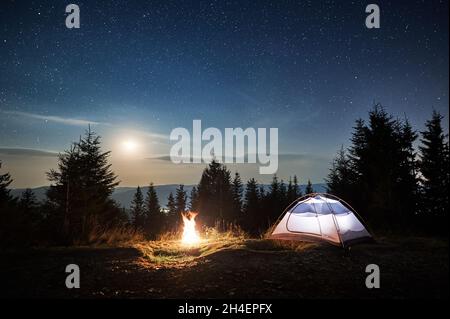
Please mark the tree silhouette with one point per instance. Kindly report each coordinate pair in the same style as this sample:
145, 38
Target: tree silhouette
138, 210
180, 200
215, 195
378, 173
9, 221
193, 200
434, 168
5, 181
172, 215
237, 190
154, 217
341, 176
30, 217
79, 197
253, 217
293, 190
28, 201
309, 188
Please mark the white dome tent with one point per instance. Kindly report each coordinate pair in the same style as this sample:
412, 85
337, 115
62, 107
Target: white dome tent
321, 217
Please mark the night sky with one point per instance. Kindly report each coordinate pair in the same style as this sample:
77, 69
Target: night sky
138, 69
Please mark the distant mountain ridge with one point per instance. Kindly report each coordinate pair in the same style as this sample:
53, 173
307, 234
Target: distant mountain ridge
124, 195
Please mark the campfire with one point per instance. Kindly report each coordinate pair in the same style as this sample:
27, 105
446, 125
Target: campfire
190, 235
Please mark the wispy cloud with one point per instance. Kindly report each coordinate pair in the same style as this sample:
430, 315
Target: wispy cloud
282, 157
150, 134
27, 152
81, 122
56, 119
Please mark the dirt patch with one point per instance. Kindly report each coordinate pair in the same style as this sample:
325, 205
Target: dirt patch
232, 268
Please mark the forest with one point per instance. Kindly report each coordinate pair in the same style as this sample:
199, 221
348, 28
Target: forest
393, 175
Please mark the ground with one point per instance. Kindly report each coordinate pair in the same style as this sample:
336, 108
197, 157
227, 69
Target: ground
231, 268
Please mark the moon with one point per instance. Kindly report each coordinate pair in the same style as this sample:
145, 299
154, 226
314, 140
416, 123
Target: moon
130, 146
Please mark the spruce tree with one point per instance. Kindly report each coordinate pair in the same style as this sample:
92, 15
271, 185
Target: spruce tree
290, 191
5, 181
237, 191
274, 201
434, 168
215, 194
309, 188
253, 217
180, 200
10, 223
193, 200
341, 177
81, 189
28, 201
138, 210
296, 188
293, 190
172, 214
177, 205
154, 218
407, 181
377, 174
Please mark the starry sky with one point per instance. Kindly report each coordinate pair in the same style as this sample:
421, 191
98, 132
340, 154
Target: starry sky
137, 69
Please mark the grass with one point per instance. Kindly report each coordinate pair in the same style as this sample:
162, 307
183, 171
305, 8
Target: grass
168, 251
112, 237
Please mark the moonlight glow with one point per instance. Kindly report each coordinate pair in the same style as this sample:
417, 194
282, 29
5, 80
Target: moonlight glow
130, 146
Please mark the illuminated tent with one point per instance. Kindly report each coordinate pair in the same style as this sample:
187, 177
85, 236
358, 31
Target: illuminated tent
321, 217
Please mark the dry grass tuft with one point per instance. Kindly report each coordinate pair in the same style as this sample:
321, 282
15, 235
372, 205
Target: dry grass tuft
168, 250
115, 237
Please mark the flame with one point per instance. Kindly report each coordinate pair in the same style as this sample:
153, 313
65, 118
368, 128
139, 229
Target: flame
190, 234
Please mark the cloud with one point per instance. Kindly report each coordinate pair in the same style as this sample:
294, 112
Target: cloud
281, 157
27, 152
150, 134
81, 122
56, 119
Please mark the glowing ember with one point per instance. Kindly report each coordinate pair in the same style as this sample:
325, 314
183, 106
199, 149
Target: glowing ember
190, 234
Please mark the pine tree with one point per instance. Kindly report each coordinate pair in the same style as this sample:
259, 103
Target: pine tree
5, 181
296, 188
63, 201
274, 201
434, 168
29, 216
81, 189
10, 222
193, 200
138, 210
341, 177
262, 193
407, 181
253, 218
283, 194
293, 190
180, 200
383, 176
172, 214
237, 191
177, 206
309, 188
28, 201
154, 218
378, 173
290, 191
215, 194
